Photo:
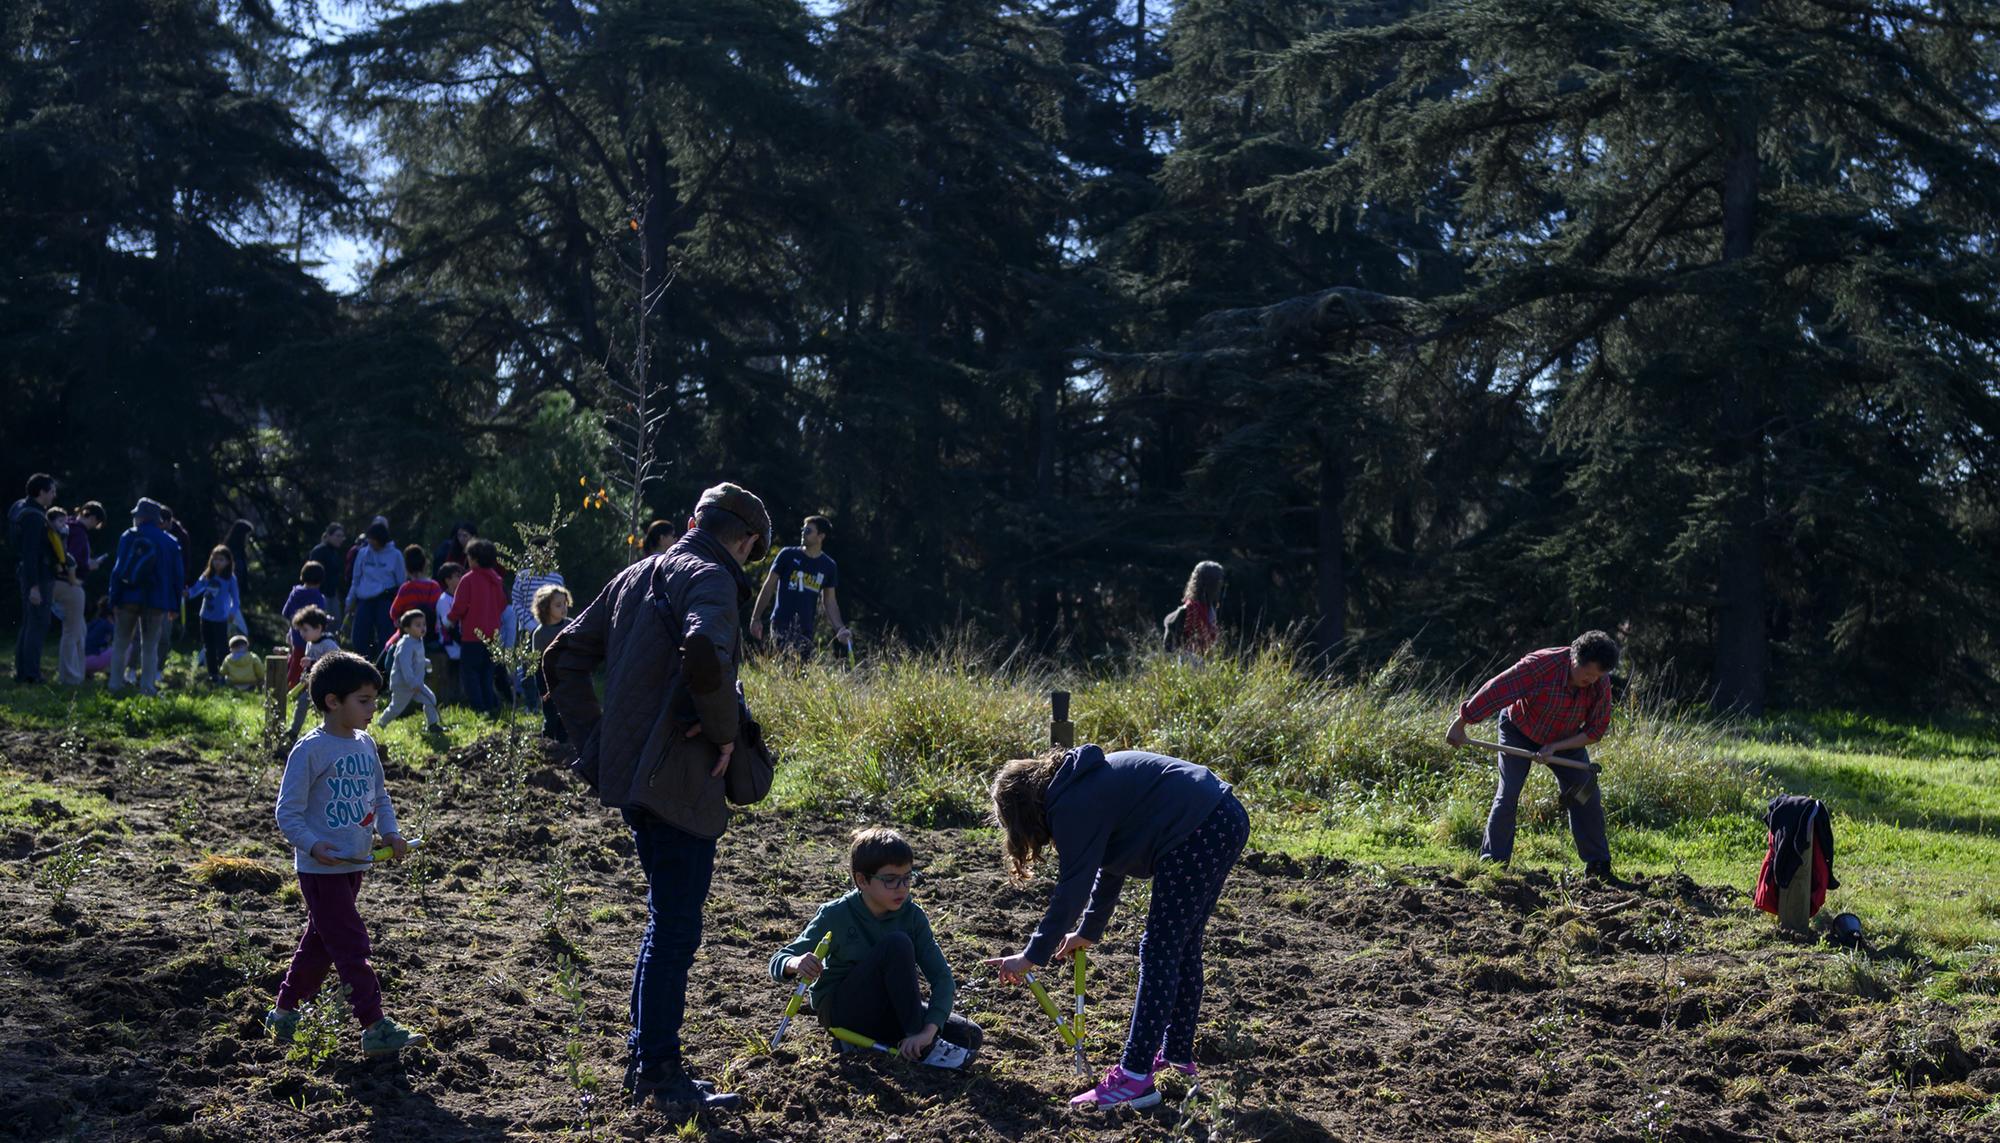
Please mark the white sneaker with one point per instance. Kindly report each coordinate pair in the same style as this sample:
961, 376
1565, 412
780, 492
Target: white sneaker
945, 1054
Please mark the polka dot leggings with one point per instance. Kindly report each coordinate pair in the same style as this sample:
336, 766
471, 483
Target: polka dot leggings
1187, 879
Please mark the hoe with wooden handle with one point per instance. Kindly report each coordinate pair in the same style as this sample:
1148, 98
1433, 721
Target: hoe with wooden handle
1579, 794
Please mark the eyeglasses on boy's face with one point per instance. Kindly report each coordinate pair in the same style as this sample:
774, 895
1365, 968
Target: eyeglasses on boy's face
893, 880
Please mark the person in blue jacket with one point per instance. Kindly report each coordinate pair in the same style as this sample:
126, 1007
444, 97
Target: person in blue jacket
146, 580
1109, 817
221, 603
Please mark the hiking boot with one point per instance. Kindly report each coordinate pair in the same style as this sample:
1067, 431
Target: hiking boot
670, 1086
632, 1072
385, 1037
282, 1024
1120, 1088
1160, 1060
1598, 871
945, 1054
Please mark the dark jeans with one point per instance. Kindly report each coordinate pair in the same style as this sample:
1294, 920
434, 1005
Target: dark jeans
34, 629
879, 999
215, 645
334, 939
372, 626
1187, 879
678, 868
1586, 821
475, 677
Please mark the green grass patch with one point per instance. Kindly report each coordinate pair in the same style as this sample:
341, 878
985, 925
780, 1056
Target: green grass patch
36, 806
1357, 768
92, 714
211, 722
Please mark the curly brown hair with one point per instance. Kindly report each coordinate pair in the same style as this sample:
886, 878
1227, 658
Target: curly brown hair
1018, 790
1204, 583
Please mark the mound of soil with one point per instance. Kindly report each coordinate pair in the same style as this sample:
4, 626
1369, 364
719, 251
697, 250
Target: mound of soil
1342, 1003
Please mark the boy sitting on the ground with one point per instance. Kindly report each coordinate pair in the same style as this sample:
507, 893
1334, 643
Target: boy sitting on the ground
868, 983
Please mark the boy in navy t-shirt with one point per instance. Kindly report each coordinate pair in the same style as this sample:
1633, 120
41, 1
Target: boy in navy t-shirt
802, 579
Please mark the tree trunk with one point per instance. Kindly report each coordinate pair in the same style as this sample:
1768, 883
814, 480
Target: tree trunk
651, 392
1742, 658
1048, 399
1329, 630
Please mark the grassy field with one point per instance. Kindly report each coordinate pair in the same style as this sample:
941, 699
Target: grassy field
1355, 769
1359, 770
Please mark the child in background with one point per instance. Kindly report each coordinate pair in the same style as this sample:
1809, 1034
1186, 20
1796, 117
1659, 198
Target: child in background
420, 592
331, 803
448, 577
528, 585
97, 639
1109, 817
407, 669
306, 593
868, 983
220, 603
551, 608
314, 626
475, 611
241, 669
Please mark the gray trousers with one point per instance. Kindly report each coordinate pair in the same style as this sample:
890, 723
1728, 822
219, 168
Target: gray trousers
400, 699
151, 626
1586, 821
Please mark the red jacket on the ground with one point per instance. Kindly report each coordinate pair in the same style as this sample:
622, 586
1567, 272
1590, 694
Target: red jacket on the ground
476, 608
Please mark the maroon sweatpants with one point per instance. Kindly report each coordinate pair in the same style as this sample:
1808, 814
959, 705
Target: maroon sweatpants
334, 938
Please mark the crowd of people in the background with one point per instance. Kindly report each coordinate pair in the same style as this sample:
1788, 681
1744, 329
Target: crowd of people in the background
375, 597
437, 621
470, 603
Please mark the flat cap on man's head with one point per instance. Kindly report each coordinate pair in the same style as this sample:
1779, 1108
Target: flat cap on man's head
743, 504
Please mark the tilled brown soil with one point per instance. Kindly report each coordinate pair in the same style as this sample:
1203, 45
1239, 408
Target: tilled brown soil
1343, 1003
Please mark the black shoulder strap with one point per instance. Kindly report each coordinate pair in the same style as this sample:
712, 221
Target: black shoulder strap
663, 606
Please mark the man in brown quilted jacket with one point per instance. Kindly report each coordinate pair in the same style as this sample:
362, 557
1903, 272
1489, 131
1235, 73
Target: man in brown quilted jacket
665, 631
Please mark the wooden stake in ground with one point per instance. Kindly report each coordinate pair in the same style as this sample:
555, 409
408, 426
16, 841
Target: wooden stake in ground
1062, 732
1795, 899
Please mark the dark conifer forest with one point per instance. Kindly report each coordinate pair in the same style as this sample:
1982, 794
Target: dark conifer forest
1463, 325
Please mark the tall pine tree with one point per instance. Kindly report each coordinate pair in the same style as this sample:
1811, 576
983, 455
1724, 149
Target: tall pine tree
1743, 252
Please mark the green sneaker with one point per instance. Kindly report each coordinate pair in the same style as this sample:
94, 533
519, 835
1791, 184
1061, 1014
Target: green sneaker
385, 1037
282, 1024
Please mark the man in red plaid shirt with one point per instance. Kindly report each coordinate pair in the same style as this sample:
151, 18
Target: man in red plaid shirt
1555, 701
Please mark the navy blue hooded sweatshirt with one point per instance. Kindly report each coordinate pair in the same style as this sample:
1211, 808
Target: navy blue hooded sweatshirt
1111, 817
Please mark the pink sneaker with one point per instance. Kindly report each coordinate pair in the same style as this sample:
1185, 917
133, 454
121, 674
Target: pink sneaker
1119, 1087
1160, 1060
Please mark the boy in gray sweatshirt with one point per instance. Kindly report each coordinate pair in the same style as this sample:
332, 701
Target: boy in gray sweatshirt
331, 804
